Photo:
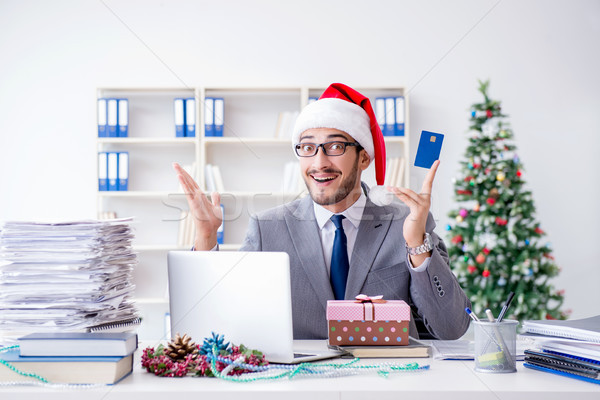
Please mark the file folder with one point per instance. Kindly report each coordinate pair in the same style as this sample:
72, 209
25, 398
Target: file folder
112, 117
123, 171
380, 112
179, 108
209, 117
102, 115
399, 130
190, 117
113, 172
102, 171
390, 116
219, 116
123, 120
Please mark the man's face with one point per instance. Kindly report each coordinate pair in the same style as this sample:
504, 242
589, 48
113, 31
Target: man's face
332, 181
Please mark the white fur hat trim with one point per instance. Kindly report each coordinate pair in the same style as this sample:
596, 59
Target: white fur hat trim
337, 114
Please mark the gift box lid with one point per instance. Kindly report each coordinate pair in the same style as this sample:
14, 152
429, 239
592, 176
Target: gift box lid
349, 310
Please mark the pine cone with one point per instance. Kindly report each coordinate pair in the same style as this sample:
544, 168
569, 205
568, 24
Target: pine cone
180, 347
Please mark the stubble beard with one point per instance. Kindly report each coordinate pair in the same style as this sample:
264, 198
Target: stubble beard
347, 186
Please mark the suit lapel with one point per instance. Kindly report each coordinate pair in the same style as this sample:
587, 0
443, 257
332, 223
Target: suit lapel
371, 233
307, 243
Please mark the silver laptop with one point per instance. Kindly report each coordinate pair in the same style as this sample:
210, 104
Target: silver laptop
246, 296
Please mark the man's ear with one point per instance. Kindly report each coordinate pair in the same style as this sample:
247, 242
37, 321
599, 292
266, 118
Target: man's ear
363, 159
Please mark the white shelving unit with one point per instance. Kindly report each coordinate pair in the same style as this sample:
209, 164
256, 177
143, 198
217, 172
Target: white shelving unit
249, 155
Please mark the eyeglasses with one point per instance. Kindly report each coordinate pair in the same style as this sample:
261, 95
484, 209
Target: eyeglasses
329, 148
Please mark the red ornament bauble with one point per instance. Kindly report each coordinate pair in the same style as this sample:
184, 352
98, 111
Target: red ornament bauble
485, 273
519, 173
480, 258
486, 251
539, 231
491, 201
471, 268
457, 239
489, 113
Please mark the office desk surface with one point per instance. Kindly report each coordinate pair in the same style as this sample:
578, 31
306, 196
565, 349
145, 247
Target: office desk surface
444, 379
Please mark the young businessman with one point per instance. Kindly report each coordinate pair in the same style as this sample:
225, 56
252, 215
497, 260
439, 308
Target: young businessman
388, 250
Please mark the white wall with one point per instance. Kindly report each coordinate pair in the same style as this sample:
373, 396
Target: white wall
541, 56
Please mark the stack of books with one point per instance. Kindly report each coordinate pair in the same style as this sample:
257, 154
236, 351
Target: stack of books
569, 348
414, 349
70, 358
70, 276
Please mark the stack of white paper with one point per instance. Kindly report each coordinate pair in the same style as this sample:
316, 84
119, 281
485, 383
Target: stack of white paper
65, 276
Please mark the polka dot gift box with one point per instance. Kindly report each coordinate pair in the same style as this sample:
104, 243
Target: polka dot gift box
368, 321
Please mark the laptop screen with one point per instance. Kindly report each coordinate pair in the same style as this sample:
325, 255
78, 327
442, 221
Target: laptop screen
245, 296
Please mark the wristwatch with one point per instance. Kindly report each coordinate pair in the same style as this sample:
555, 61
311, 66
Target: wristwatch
426, 247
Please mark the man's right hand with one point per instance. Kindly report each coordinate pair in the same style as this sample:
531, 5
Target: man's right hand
206, 213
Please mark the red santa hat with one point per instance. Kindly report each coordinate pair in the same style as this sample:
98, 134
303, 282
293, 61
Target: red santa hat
343, 108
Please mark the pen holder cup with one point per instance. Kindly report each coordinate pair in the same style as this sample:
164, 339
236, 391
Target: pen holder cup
495, 346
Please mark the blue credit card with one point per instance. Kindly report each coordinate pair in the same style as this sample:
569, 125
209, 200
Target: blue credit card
430, 146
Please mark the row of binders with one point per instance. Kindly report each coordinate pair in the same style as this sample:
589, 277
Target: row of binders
568, 348
394, 172
113, 117
389, 112
113, 171
185, 116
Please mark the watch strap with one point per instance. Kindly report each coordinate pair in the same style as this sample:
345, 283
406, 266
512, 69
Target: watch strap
426, 247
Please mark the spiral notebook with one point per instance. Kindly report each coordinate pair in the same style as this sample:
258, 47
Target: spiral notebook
581, 329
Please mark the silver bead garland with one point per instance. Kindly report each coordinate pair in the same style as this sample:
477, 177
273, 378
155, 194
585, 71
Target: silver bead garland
40, 381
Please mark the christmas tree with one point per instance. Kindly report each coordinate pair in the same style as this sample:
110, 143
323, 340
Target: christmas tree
496, 245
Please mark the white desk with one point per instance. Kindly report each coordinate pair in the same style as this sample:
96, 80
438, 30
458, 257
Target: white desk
444, 380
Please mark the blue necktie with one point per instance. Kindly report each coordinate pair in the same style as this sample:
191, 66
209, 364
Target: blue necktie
339, 259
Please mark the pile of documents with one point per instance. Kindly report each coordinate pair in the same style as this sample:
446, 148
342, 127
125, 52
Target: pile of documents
569, 348
68, 276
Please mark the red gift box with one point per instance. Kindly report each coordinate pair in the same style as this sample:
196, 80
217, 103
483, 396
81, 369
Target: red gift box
368, 321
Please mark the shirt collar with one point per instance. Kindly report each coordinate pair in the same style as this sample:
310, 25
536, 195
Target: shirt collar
353, 213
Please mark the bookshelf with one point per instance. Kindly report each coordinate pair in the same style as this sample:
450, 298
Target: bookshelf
250, 156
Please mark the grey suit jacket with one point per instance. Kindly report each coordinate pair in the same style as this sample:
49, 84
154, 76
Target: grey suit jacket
378, 267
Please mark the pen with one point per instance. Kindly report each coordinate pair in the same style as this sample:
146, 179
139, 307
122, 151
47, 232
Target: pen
471, 314
506, 305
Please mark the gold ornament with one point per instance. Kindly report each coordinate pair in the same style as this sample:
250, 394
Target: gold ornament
180, 347
500, 176
459, 218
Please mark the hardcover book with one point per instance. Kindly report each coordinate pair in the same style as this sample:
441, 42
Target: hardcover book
414, 349
78, 344
70, 370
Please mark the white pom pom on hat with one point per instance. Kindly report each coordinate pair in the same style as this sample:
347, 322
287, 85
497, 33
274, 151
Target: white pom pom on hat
343, 108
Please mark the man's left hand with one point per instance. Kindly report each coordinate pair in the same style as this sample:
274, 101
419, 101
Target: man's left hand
419, 203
